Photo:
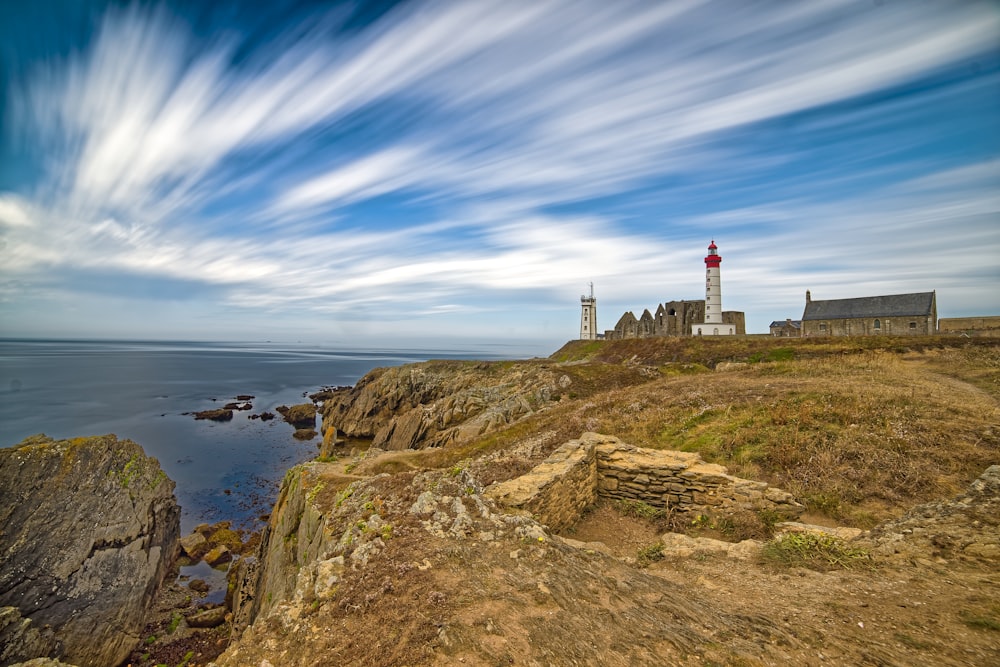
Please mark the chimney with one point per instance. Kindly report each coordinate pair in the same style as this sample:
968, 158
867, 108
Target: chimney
809, 297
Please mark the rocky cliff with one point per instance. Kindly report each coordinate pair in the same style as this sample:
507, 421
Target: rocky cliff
435, 403
90, 526
422, 568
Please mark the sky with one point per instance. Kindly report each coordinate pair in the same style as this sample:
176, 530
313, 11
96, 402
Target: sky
421, 174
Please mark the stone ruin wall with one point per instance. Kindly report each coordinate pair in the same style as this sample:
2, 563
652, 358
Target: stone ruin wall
599, 466
971, 326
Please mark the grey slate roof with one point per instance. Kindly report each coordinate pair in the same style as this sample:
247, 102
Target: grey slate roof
894, 305
796, 324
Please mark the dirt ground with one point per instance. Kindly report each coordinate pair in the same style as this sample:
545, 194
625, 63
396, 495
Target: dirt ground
932, 612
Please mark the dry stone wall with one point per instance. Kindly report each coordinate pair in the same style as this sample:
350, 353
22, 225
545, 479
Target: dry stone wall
558, 489
600, 466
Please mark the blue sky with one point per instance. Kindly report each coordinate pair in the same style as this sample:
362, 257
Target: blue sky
437, 173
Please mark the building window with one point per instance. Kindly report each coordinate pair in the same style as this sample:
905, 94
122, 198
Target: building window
715, 331
822, 326
913, 325
878, 325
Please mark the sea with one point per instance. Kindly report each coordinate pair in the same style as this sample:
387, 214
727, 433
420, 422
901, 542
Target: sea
147, 391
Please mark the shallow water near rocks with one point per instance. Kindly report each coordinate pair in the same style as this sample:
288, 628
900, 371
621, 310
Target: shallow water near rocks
215, 578
142, 390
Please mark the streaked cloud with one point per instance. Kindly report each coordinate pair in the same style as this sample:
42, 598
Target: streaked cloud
493, 157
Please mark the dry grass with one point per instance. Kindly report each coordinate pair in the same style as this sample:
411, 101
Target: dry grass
856, 431
851, 437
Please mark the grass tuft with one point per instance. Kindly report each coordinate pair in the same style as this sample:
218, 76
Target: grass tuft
649, 554
814, 551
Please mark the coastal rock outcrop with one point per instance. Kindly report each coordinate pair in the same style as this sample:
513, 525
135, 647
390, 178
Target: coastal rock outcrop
90, 526
437, 402
301, 416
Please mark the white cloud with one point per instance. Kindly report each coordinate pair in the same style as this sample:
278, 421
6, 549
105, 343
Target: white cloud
178, 162
15, 212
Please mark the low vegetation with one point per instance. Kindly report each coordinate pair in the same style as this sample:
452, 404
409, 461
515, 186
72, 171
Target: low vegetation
814, 551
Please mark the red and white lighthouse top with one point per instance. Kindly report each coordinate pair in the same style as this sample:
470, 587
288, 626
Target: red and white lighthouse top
712, 259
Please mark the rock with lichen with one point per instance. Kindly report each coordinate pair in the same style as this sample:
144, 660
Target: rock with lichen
90, 526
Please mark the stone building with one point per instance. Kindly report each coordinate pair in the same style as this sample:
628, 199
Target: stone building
895, 315
685, 318
673, 318
786, 328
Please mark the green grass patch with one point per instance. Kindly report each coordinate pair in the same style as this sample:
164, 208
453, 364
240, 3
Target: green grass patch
638, 509
650, 554
175, 620
814, 551
982, 620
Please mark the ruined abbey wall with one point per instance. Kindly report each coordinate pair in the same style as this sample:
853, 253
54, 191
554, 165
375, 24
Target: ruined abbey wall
673, 318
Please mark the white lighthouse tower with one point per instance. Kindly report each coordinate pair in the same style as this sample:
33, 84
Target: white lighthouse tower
588, 316
713, 326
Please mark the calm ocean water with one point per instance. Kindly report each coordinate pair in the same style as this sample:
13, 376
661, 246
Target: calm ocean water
139, 390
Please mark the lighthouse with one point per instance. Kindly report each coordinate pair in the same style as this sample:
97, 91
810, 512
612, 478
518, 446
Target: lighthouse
713, 325
588, 316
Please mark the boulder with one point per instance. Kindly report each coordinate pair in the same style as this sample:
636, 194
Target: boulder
90, 526
220, 555
209, 618
194, 545
199, 585
304, 433
299, 416
327, 449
